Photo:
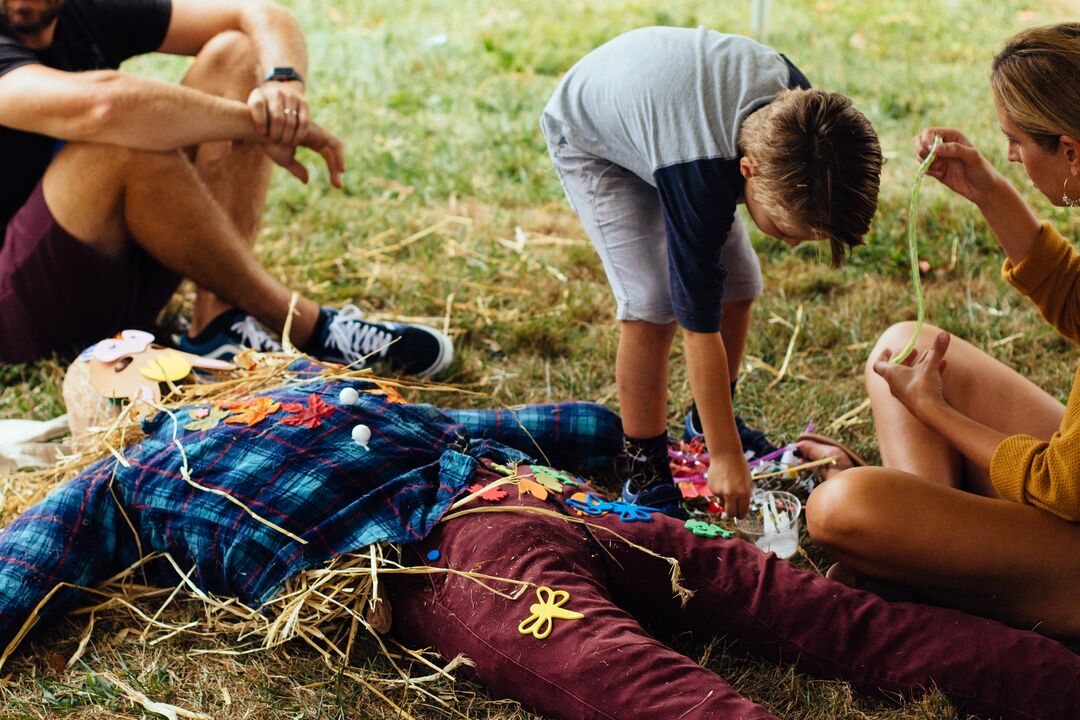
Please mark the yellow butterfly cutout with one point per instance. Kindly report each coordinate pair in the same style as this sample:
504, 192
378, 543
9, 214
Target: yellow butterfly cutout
544, 612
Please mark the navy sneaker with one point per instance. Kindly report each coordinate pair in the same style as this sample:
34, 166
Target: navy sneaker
226, 335
663, 496
344, 337
753, 440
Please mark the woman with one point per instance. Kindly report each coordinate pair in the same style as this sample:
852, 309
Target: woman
979, 500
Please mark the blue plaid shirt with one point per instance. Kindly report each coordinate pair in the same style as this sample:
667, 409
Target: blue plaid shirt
316, 483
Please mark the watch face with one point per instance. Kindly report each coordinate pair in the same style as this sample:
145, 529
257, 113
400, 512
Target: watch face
284, 74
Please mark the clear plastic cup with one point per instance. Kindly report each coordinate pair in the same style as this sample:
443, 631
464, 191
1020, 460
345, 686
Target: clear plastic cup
773, 522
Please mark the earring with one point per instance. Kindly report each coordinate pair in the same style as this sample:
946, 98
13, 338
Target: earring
1069, 202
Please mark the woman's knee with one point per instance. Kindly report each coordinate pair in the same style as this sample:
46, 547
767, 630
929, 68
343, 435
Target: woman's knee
896, 338
841, 510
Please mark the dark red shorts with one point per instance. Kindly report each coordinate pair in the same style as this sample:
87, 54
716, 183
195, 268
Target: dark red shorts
57, 294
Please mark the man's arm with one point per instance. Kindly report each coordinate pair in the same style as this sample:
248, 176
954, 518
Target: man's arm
118, 108
278, 42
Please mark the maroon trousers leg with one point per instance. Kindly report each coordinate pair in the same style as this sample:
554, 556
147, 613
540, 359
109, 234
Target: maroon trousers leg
766, 607
602, 666
606, 666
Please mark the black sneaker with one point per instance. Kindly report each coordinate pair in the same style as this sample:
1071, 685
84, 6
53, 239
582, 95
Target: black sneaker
226, 335
751, 439
344, 337
647, 471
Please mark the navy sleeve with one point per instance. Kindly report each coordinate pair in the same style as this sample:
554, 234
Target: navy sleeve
796, 79
127, 28
698, 200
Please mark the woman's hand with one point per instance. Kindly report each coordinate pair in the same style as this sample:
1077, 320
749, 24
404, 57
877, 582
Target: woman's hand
916, 382
731, 485
958, 164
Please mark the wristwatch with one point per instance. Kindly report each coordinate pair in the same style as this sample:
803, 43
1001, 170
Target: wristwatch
283, 74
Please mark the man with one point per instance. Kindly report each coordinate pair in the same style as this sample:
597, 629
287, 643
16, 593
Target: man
156, 181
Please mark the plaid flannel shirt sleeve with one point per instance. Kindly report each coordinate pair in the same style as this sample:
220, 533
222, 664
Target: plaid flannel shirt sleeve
569, 435
73, 539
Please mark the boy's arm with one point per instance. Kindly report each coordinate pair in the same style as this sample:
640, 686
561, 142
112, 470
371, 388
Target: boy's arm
729, 475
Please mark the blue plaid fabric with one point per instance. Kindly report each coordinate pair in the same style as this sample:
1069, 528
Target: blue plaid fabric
316, 483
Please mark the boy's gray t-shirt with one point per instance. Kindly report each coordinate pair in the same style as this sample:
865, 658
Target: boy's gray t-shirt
667, 104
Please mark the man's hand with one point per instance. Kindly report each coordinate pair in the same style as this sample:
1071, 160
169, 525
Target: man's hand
280, 112
731, 485
916, 382
321, 141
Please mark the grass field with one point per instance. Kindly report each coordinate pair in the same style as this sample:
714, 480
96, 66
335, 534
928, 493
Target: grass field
438, 103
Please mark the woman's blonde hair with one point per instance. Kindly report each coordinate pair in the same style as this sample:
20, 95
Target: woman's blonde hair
1036, 82
817, 163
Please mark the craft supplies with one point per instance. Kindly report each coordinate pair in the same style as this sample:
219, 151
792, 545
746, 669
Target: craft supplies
773, 522
348, 396
543, 613
707, 529
913, 252
361, 435
433, 555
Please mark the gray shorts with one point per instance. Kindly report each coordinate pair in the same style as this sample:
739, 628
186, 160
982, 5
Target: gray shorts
623, 218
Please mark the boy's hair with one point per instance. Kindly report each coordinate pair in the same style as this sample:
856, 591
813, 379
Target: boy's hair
817, 163
1034, 82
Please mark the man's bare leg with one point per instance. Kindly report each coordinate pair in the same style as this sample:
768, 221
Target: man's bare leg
106, 195
237, 175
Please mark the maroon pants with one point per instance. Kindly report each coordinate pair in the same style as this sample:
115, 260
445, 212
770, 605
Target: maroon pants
58, 294
606, 666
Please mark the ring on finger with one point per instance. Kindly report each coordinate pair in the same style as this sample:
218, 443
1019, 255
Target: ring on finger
290, 111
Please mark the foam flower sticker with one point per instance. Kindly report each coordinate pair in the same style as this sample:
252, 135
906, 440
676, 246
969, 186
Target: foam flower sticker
310, 415
552, 479
492, 495
527, 486
545, 612
203, 419
250, 412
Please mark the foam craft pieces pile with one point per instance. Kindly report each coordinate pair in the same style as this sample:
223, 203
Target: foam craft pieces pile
130, 366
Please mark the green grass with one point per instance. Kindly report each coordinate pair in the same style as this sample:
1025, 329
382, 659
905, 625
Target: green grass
438, 104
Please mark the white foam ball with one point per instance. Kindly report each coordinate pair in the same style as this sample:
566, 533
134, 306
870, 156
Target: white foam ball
349, 396
361, 435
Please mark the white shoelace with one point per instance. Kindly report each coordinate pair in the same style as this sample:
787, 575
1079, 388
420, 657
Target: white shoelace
355, 338
253, 335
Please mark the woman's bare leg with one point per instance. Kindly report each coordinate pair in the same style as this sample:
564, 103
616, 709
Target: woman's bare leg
977, 385
988, 556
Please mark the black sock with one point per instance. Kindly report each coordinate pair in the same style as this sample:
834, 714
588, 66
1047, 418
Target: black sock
646, 461
219, 324
317, 341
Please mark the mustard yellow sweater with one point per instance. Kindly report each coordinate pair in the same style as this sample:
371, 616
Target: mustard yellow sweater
1025, 469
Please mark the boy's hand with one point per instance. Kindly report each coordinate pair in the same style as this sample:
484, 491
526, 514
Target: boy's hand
731, 485
958, 164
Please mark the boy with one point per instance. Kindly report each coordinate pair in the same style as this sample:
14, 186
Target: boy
657, 136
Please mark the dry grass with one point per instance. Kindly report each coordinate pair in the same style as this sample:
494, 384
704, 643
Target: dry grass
446, 165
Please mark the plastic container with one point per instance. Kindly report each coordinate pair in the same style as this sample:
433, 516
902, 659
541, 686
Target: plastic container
773, 522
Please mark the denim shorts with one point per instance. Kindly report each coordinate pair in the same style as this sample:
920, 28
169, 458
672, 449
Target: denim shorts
623, 218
